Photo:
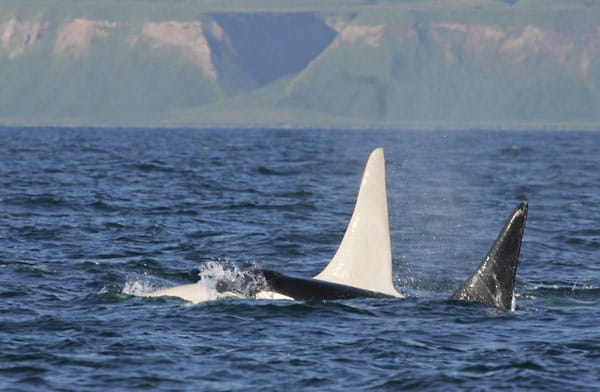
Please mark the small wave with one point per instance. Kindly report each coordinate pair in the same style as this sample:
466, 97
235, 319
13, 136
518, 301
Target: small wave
40, 201
200, 234
269, 171
154, 166
562, 290
272, 206
35, 233
103, 206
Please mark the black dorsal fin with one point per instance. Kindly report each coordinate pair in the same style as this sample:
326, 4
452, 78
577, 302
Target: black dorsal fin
493, 282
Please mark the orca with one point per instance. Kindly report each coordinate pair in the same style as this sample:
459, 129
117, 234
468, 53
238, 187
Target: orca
361, 267
493, 282
362, 264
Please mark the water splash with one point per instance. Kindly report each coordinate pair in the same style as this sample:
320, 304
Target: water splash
226, 276
136, 287
216, 279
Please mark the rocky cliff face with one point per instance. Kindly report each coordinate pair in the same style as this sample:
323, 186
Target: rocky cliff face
520, 47
187, 38
75, 38
17, 36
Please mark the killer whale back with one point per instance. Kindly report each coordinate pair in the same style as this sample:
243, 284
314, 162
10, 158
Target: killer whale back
361, 267
364, 257
493, 281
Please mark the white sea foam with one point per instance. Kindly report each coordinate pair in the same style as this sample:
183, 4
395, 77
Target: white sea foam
217, 279
229, 277
211, 272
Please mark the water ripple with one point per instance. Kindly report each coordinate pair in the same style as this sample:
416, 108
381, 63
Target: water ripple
88, 216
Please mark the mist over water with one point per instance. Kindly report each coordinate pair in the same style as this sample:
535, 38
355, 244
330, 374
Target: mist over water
90, 216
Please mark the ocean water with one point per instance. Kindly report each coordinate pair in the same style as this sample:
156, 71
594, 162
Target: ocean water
89, 216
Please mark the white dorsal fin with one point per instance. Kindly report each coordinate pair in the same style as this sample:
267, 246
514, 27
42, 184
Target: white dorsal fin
364, 257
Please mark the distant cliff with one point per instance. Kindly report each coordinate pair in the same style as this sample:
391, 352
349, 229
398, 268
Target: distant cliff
398, 63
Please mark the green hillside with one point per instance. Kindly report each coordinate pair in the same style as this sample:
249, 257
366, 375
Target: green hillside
410, 64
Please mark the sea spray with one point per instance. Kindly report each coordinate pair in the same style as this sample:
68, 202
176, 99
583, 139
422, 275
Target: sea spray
225, 276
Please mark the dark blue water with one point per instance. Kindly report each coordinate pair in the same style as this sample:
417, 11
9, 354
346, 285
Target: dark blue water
88, 215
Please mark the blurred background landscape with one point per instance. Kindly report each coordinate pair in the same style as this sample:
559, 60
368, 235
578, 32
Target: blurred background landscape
528, 64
